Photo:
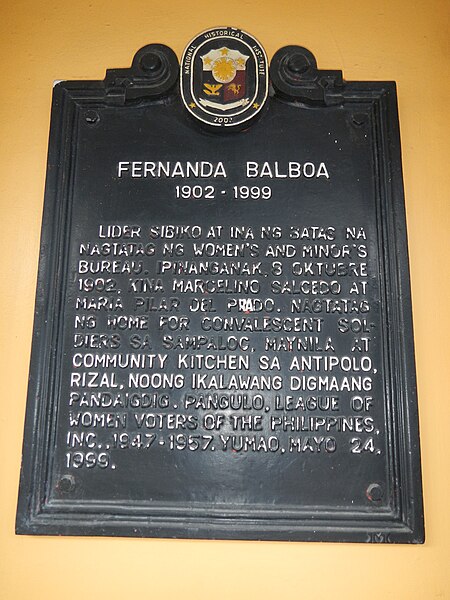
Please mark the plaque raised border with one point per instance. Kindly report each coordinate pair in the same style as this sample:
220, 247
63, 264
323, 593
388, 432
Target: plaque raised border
75, 100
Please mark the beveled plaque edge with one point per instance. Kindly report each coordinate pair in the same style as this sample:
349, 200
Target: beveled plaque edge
36, 516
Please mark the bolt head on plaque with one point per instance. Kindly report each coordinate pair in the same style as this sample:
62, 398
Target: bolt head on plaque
224, 77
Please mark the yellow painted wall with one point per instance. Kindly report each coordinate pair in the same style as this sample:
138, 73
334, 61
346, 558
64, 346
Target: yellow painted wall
404, 40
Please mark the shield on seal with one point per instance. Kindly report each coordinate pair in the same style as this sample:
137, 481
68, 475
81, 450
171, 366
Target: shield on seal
224, 79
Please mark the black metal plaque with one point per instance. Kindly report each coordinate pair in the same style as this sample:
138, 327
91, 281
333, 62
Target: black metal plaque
223, 339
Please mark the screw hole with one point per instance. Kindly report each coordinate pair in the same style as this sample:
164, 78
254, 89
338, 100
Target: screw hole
66, 484
359, 119
374, 492
91, 117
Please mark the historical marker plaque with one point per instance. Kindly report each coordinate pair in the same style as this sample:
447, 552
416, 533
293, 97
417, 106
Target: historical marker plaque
223, 339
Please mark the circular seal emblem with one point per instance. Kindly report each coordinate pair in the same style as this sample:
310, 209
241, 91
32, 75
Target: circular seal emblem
224, 78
